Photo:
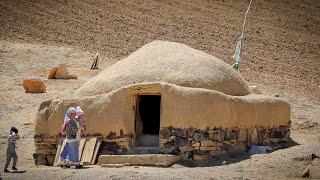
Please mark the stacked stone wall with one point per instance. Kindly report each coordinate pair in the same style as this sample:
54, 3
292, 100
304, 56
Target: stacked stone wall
198, 144
46, 149
191, 143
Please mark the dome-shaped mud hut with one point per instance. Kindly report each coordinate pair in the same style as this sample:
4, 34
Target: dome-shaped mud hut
171, 97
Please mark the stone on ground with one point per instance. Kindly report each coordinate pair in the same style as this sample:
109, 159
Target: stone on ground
52, 73
314, 169
34, 85
200, 158
62, 73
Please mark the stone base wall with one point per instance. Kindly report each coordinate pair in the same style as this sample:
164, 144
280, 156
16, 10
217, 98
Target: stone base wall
191, 143
195, 144
46, 146
46, 149
116, 146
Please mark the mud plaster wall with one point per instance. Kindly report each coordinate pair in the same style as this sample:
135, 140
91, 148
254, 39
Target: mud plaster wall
181, 107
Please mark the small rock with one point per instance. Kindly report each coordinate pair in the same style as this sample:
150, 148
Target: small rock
255, 136
257, 150
180, 141
219, 136
242, 135
186, 156
275, 140
199, 158
62, 73
196, 145
208, 148
34, 85
165, 133
52, 73
207, 143
198, 136
172, 138
186, 149
217, 153
255, 90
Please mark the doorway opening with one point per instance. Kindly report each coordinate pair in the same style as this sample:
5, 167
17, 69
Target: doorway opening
147, 120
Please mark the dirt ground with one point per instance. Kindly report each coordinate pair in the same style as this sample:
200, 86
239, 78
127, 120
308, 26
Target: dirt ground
281, 57
23, 60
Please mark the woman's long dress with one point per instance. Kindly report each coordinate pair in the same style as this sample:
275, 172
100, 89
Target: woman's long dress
70, 153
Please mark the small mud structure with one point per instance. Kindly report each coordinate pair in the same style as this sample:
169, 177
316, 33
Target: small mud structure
168, 98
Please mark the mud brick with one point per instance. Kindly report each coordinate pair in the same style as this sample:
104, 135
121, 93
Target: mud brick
181, 141
199, 158
227, 135
287, 134
165, 133
40, 159
210, 148
283, 128
239, 147
205, 135
243, 134
175, 132
217, 153
207, 143
196, 145
199, 136
168, 144
172, 138
50, 159
227, 145
185, 149
211, 136
190, 132
275, 140
111, 135
261, 133
124, 144
218, 136
254, 136
266, 142
186, 156
184, 133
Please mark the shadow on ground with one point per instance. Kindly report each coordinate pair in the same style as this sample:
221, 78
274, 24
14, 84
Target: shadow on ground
17, 172
234, 157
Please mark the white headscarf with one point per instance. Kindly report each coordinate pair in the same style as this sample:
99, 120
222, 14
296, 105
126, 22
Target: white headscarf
79, 111
69, 111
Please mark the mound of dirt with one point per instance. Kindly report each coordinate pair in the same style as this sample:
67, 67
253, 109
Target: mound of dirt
169, 62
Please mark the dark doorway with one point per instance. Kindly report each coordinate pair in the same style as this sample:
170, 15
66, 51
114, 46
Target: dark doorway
147, 120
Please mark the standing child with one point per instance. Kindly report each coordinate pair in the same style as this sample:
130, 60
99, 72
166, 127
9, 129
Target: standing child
11, 149
80, 122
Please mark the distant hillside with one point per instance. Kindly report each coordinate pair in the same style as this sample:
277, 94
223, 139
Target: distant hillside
282, 46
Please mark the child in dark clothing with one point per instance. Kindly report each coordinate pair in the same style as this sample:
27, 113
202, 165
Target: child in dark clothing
11, 149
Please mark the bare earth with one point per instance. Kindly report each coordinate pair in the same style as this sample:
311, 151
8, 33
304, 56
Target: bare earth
281, 56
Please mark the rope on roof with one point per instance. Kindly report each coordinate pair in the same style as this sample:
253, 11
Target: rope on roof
239, 48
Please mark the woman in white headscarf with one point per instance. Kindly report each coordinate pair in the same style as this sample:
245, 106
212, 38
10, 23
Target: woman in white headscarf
70, 152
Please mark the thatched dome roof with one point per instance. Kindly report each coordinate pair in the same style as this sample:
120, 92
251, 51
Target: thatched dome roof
169, 62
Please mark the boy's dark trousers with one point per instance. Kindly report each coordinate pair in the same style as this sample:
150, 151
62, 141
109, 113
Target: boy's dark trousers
9, 157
